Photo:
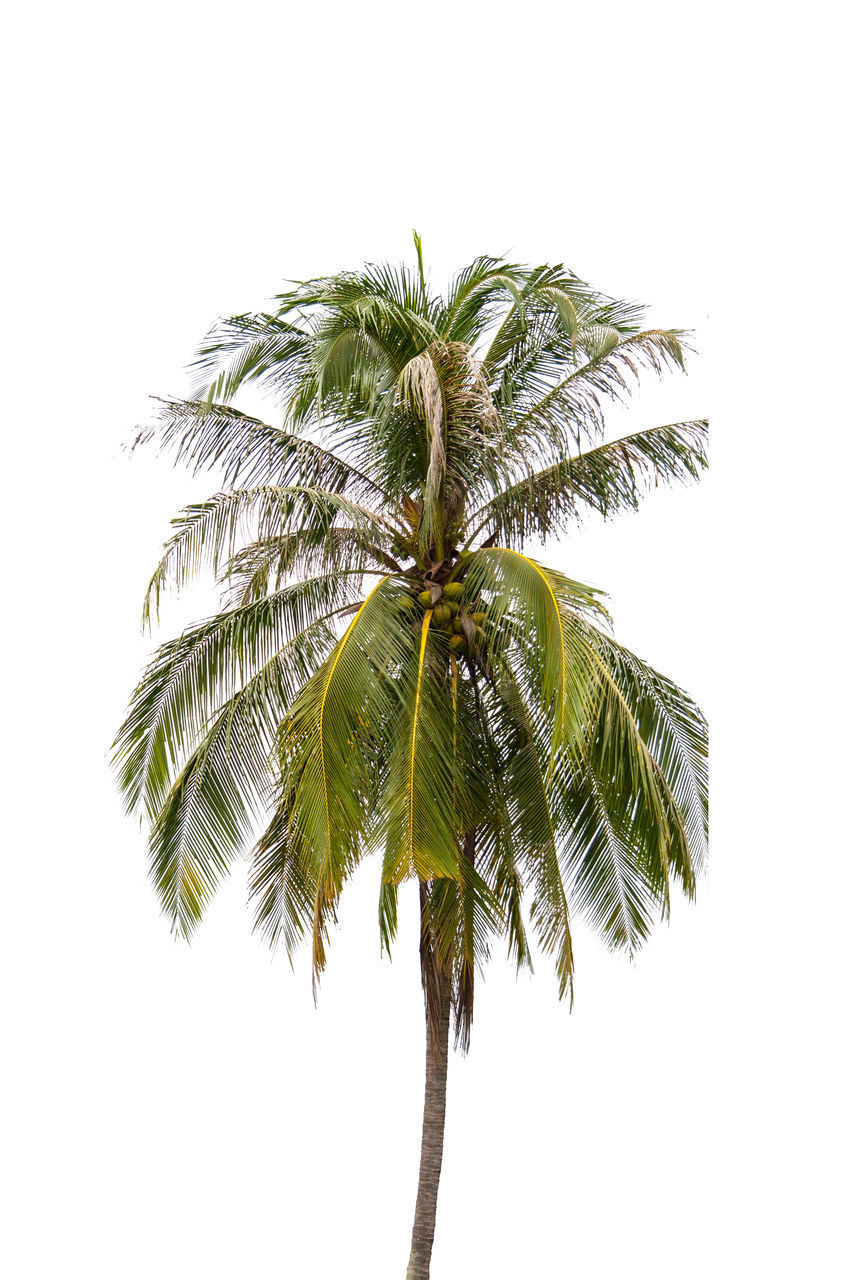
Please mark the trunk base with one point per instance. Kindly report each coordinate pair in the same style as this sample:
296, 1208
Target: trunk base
432, 1140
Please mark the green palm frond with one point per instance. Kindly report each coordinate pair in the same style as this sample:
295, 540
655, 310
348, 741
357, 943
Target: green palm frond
194, 839
388, 903
280, 883
553, 301
537, 611
204, 434
265, 565
354, 366
529, 788
206, 818
477, 296
424, 778
604, 866
634, 799
607, 479
207, 533
345, 720
676, 735
508, 885
250, 348
189, 678
570, 411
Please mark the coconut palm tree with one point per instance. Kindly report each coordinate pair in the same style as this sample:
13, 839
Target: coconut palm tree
391, 674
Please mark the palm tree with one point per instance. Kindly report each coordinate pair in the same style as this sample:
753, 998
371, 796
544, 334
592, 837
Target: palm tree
391, 673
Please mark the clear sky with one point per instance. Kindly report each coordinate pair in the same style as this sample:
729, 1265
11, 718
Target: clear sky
186, 1113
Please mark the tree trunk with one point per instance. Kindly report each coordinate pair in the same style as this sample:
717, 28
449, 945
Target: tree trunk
432, 1141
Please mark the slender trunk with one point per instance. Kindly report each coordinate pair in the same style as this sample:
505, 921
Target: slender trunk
432, 1141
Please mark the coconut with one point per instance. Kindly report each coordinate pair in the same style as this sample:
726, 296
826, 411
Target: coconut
425, 598
453, 590
441, 615
457, 625
453, 607
457, 643
479, 618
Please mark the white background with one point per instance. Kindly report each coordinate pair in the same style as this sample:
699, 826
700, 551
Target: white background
186, 1112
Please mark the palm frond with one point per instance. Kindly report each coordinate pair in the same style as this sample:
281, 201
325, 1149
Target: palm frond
420, 838
553, 301
344, 720
477, 296
205, 820
198, 833
528, 785
388, 897
189, 678
607, 479
633, 799
280, 884
570, 411
604, 865
266, 565
206, 435
206, 533
676, 735
536, 609
250, 348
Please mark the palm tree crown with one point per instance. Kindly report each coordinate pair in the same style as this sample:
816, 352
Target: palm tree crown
391, 673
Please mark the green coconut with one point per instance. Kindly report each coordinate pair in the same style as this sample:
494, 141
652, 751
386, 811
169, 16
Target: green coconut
453, 590
425, 598
479, 618
457, 625
457, 643
441, 615
453, 607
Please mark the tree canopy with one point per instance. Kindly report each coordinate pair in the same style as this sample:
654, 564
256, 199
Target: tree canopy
392, 674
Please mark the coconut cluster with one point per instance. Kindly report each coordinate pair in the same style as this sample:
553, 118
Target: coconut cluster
452, 614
